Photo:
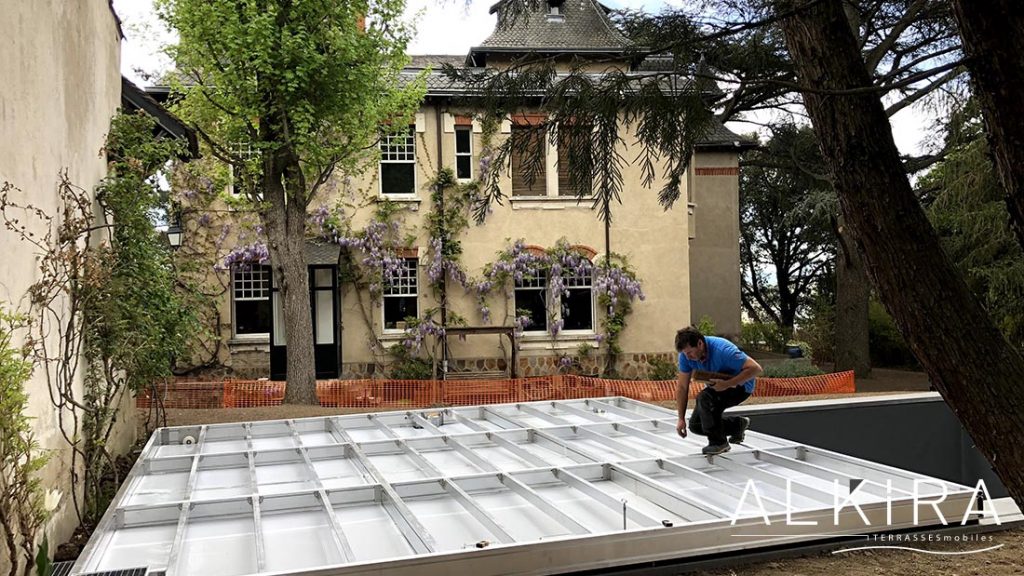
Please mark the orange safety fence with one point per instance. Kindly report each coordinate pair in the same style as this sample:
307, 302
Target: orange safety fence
249, 393
369, 393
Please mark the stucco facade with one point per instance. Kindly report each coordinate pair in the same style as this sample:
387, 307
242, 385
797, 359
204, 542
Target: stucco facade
662, 246
687, 257
61, 84
714, 239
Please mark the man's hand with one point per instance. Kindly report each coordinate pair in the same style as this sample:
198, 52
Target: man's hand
720, 385
681, 427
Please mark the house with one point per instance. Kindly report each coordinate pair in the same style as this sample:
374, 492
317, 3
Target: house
60, 64
687, 258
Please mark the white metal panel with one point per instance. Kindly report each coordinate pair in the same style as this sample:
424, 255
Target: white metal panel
552, 486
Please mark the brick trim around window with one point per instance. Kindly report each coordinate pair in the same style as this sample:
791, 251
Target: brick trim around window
722, 171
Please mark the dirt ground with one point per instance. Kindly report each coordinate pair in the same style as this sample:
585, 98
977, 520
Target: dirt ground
1005, 561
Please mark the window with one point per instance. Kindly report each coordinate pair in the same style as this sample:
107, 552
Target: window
240, 181
398, 163
578, 304
531, 301
529, 160
570, 135
575, 305
464, 152
250, 291
400, 296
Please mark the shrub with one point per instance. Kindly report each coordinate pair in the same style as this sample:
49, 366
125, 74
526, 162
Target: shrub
796, 368
818, 330
706, 325
22, 501
661, 369
806, 350
762, 336
408, 367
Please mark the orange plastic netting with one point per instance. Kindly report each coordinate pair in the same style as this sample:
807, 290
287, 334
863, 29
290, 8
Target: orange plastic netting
427, 393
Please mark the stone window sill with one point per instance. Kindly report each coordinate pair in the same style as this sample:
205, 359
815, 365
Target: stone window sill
543, 343
549, 202
412, 201
258, 344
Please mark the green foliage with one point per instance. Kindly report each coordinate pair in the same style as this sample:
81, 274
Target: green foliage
44, 566
817, 328
292, 78
786, 240
445, 226
406, 366
888, 348
136, 321
22, 512
966, 206
105, 299
806, 349
791, 368
661, 369
762, 336
706, 325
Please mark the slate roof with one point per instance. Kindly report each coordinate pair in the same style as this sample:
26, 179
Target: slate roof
319, 254
435, 60
582, 26
719, 138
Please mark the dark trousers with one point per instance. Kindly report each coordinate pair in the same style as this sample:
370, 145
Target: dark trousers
708, 418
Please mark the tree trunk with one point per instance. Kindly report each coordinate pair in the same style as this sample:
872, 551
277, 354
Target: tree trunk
853, 292
285, 223
977, 372
993, 38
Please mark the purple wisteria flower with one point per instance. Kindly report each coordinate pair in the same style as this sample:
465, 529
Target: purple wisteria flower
245, 255
319, 218
418, 332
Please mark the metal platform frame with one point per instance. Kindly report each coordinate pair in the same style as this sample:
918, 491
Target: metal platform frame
525, 488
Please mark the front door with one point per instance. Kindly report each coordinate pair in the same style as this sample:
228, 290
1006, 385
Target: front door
323, 302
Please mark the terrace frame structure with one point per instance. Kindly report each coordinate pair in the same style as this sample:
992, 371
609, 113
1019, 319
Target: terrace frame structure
525, 488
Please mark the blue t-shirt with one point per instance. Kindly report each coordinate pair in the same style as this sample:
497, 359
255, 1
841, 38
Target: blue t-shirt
723, 356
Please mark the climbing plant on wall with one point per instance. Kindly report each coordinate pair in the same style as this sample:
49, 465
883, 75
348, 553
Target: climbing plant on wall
106, 306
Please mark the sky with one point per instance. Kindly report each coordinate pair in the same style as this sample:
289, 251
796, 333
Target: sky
442, 27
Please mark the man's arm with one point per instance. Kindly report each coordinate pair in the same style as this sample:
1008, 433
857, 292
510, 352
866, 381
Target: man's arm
682, 400
751, 369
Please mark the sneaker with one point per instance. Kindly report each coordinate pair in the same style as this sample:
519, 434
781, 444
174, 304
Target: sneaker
713, 449
740, 436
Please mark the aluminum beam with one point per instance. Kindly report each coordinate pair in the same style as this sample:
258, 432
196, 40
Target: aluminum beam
336, 531
543, 504
604, 498
474, 508
399, 512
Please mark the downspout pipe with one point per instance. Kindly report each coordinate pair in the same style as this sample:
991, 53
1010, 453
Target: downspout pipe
442, 236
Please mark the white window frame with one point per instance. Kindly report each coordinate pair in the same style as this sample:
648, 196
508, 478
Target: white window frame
250, 292
588, 282
468, 130
542, 283
407, 285
245, 151
538, 283
385, 148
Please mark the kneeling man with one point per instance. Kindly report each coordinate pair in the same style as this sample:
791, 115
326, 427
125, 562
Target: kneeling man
713, 354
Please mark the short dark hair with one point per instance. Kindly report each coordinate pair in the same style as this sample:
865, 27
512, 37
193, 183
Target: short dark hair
688, 337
